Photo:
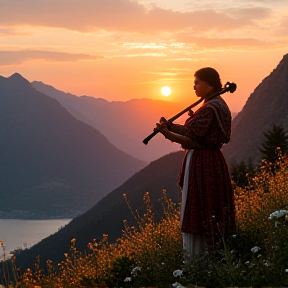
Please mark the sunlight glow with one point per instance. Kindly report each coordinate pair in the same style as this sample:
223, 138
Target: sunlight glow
166, 91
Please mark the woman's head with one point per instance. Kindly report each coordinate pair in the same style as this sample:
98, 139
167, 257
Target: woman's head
207, 80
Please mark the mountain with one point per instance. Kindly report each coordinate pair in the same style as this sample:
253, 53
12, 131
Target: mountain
107, 216
125, 124
51, 163
267, 105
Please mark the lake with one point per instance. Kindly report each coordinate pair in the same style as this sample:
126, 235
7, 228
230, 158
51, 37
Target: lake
26, 233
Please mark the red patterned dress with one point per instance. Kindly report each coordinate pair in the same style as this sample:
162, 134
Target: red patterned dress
210, 197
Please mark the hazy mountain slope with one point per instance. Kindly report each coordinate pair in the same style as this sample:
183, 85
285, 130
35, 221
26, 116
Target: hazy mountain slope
125, 124
268, 104
51, 163
108, 214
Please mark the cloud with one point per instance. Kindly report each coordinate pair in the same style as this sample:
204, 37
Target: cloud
282, 29
7, 31
120, 15
224, 42
254, 13
8, 58
264, 1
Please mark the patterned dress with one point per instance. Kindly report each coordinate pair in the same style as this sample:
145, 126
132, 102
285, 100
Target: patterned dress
210, 197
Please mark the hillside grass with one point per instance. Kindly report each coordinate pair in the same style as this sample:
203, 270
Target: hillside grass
151, 254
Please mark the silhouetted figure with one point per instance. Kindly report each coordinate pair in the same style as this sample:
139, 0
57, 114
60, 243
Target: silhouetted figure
207, 196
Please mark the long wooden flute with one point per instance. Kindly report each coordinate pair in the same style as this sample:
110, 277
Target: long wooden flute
231, 87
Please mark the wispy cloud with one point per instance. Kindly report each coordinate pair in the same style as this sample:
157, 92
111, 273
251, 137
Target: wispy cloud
264, 1
254, 13
209, 42
7, 31
124, 15
283, 28
8, 58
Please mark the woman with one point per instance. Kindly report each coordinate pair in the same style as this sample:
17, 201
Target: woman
207, 196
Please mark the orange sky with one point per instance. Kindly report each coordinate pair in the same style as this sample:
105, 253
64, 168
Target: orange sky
121, 49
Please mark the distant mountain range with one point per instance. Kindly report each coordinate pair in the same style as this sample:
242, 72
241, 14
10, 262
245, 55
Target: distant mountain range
266, 106
52, 165
108, 214
125, 124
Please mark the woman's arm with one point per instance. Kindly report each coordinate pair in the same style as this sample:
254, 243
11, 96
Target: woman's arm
185, 141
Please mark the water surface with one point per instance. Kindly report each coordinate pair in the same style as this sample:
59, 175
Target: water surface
16, 233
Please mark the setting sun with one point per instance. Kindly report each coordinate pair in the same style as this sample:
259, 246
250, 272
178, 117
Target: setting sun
166, 91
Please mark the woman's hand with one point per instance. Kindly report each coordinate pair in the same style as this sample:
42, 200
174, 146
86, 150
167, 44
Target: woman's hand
162, 120
190, 113
162, 127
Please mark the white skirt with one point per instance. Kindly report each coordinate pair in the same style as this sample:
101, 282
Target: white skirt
192, 243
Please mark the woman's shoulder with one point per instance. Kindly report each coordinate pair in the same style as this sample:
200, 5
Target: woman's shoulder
217, 104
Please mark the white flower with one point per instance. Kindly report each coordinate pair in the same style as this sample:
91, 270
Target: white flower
134, 270
255, 249
234, 236
177, 285
286, 270
247, 262
276, 224
277, 214
128, 279
177, 273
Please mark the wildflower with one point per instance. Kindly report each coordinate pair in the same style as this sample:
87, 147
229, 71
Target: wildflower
255, 249
286, 270
128, 279
277, 214
276, 224
177, 273
247, 262
177, 285
234, 236
134, 271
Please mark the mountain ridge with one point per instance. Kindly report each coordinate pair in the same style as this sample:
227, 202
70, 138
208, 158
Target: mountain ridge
267, 105
48, 155
116, 120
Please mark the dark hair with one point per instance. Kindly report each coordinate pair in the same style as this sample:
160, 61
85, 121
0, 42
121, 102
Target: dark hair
210, 76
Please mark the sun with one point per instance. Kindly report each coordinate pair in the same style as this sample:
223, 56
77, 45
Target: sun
166, 91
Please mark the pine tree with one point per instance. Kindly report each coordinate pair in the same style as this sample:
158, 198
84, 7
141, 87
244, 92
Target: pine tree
240, 172
276, 137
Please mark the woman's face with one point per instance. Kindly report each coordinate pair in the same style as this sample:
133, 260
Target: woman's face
201, 88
